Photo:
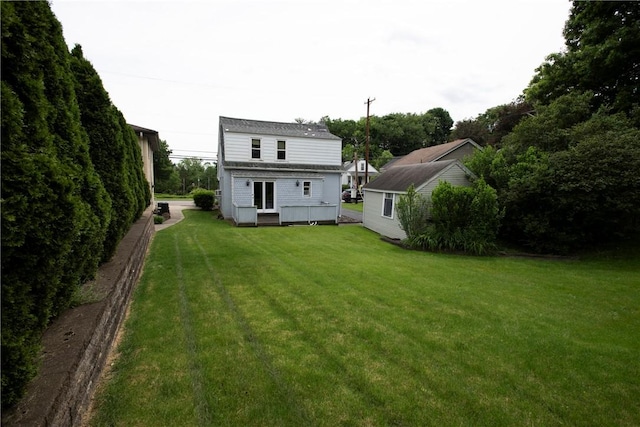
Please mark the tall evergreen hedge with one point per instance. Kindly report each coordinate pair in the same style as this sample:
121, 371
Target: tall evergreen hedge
113, 148
57, 215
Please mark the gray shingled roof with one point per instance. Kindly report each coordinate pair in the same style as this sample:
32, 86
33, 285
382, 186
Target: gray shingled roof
259, 127
399, 178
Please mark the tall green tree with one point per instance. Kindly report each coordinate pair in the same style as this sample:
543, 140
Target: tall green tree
398, 133
602, 56
490, 127
191, 172
108, 149
442, 124
55, 209
163, 167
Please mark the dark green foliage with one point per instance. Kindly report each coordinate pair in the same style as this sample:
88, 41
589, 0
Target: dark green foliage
398, 133
56, 213
567, 176
462, 219
113, 151
55, 210
204, 198
602, 56
490, 127
550, 128
413, 213
134, 175
164, 171
580, 197
585, 195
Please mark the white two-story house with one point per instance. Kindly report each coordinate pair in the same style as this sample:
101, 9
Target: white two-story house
278, 172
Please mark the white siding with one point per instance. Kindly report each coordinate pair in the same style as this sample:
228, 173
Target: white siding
453, 175
372, 216
372, 211
298, 150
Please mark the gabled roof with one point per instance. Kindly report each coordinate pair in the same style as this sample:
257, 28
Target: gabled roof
399, 178
433, 153
350, 167
259, 127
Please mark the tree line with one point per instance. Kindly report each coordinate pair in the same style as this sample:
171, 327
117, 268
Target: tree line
72, 182
182, 178
563, 157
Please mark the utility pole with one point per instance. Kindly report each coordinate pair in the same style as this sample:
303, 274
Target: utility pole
366, 151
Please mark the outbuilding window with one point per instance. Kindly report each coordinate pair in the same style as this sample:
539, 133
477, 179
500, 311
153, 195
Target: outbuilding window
387, 205
306, 188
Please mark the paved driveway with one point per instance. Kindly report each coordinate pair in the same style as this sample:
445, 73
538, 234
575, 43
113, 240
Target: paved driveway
175, 209
357, 216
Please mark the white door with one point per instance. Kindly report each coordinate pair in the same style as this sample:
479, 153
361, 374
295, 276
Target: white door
264, 196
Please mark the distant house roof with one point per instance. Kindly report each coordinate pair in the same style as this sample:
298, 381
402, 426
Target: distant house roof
399, 178
431, 154
390, 163
259, 127
152, 136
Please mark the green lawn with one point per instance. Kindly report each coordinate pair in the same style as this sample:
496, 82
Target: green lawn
353, 206
294, 326
165, 196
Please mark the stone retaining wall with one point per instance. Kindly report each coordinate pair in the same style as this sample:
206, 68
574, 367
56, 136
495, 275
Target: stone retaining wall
76, 345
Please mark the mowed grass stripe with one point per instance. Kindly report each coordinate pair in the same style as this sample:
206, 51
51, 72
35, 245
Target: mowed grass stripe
330, 326
250, 337
196, 370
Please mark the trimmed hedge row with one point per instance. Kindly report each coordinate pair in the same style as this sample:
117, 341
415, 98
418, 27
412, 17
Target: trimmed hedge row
72, 182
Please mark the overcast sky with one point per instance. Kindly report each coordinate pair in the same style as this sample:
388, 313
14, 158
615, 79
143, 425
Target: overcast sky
176, 66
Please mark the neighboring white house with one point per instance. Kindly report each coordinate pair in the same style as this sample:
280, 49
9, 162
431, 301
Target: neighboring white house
286, 172
350, 172
149, 142
381, 195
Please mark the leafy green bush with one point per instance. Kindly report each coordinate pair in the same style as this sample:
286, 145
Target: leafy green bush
462, 219
204, 198
413, 213
158, 219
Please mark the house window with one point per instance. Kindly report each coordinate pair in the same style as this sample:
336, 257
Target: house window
255, 148
306, 188
387, 205
361, 166
282, 150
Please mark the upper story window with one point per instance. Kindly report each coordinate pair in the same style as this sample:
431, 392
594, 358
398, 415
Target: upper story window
282, 150
255, 148
361, 166
387, 205
306, 188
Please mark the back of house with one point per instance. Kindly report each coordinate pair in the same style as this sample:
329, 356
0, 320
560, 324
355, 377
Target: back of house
288, 171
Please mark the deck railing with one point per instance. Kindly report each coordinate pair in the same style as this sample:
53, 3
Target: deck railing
324, 213
245, 215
